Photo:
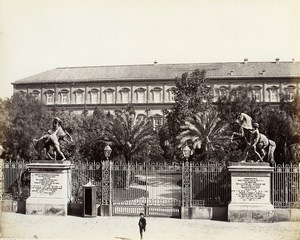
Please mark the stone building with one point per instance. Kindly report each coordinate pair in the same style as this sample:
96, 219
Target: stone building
149, 87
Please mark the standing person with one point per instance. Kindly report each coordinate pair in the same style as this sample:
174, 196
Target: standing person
142, 224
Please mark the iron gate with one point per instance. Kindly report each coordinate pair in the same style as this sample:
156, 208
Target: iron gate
152, 188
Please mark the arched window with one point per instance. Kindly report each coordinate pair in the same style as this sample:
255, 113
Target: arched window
124, 92
222, 91
273, 93
22, 93
94, 95
79, 96
109, 95
290, 92
64, 96
49, 97
257, 95
157, 121
35, 93
171, 92
156, 94
140, 95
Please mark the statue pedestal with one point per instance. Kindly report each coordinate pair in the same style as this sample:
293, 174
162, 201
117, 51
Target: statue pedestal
250, 193
50, 188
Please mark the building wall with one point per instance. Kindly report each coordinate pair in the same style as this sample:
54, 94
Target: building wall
149, 98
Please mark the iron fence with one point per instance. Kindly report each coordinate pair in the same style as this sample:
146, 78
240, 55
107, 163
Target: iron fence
12, 172
159, 185
210, 185
82, 173
286, 186
151, 187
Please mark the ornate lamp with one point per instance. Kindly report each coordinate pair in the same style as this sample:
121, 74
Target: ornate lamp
186, 152
107, 152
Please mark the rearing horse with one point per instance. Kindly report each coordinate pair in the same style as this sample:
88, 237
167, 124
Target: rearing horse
261, 146
52, 140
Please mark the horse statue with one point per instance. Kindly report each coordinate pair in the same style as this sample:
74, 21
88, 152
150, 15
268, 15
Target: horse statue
51, 140
250, 138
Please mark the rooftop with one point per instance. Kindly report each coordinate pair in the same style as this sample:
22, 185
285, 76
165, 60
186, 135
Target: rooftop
164, 71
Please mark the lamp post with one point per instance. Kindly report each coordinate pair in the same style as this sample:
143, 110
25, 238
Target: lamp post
186, 152
107, 152
186, 179
106, 206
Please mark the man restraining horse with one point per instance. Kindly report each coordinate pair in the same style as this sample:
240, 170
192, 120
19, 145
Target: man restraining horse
52, 139
255, 140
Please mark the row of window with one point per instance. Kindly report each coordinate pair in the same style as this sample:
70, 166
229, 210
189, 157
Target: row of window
273, 93
109, 95
139, 96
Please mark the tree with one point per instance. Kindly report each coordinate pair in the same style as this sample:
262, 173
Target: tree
132, 137
239, 100
205, 132
28, 119
94, 136
3, 118
192, 94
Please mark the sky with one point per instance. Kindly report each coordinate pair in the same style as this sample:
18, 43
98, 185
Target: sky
39, 35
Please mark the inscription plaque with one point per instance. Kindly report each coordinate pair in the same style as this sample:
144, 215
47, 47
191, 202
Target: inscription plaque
250, 189
46, 185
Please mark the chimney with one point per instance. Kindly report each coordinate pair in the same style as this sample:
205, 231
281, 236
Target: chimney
155, 62
245, 60
277, 60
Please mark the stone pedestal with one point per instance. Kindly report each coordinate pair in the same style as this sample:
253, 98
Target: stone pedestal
50, 188
250, 193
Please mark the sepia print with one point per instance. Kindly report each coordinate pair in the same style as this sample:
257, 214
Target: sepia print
149, 119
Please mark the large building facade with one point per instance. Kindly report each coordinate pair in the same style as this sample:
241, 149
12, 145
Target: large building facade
150, 87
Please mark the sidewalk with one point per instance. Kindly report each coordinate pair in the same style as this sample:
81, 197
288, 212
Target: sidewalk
15, 226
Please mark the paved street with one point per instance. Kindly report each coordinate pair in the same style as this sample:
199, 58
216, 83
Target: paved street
14, 226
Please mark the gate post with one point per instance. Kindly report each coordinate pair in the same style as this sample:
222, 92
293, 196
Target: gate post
186, 189
106, 196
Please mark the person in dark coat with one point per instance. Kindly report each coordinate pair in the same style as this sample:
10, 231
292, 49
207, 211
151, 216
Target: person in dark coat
142, 224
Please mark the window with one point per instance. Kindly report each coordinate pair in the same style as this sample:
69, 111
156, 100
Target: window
140, 95
64, 96
109, 95
257, 93
157, 121
125, 95
170, 92
290, 93
49, 97
79, 96
22, 93
222, 92
35, 94
156, 94
273, 93
94, 95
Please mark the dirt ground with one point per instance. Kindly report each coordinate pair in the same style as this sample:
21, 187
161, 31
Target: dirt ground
17, 226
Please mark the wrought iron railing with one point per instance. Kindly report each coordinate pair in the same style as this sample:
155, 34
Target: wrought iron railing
160, 184
210, 184
286, 186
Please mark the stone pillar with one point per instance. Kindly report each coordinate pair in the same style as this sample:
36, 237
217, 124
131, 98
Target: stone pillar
50, 188
186, 189
250, 193
106, 197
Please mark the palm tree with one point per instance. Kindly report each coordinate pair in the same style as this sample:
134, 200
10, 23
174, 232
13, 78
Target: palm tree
132, 137
205, 131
